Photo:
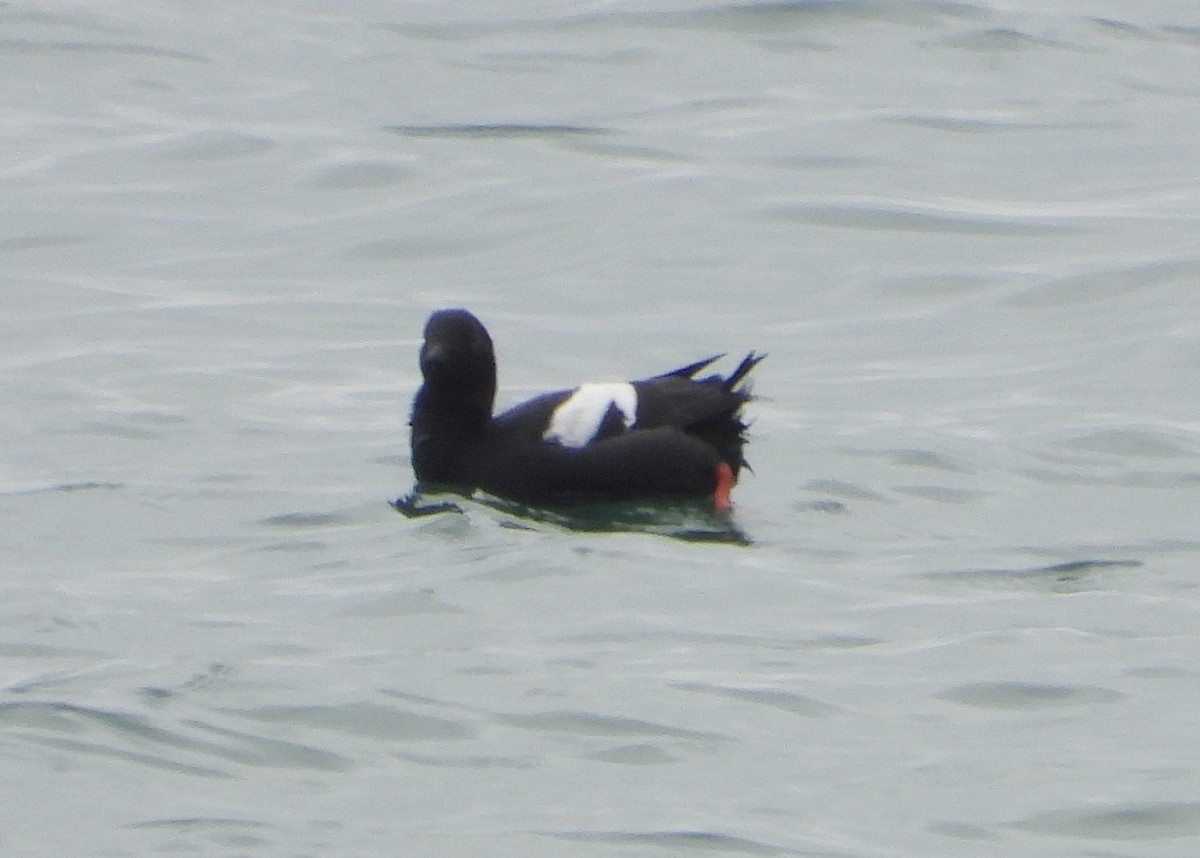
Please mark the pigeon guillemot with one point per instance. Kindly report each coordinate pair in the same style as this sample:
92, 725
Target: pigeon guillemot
672, 435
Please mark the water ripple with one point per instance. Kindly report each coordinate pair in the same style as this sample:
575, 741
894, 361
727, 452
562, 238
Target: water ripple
500, 130
1006, 39
1108, 283
589, 724
788, 701
771, 17
369, 720
1028, 695
1129, 442
686, 842
38, 46
1068, 576
65, 726
359, 175
214, 831
210, 146
633, 755
97, 732
1155, 820
893, 216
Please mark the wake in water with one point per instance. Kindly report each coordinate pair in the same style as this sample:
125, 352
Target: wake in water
688, 520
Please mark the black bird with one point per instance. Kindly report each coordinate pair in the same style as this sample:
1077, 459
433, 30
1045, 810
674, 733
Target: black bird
669, 436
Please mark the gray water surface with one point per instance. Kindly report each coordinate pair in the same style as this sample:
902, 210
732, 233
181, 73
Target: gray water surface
966, 619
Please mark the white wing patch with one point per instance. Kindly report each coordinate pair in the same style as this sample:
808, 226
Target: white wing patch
577, 420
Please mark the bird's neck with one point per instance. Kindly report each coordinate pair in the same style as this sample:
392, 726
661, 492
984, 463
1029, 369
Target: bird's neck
438, 410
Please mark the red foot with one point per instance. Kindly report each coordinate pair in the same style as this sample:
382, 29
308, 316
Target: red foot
721, 500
